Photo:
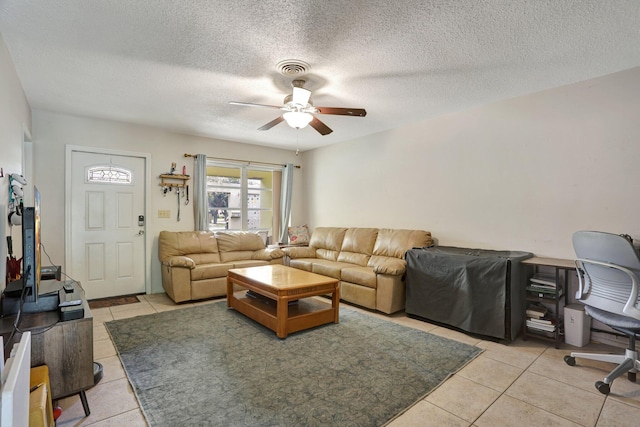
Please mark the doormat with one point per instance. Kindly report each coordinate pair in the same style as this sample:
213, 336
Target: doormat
113, 301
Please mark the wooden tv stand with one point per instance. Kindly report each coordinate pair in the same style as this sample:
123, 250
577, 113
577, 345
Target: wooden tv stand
65, 347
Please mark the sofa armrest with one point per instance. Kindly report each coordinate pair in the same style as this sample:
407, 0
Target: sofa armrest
180, 261
300, 252
391, 266
176, 277
268, 254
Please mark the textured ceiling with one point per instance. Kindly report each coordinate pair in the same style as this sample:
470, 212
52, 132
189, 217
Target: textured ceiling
176, 64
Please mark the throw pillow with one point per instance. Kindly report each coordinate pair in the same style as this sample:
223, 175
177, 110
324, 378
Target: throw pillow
299, 235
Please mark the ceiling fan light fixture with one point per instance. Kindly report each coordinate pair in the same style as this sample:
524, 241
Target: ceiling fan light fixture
297, 119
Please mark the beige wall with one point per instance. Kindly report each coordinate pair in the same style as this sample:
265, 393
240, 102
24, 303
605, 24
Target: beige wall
15, 123
520, 174
52, 132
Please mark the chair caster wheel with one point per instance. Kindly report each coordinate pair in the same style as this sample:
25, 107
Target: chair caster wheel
602, 387
569, 360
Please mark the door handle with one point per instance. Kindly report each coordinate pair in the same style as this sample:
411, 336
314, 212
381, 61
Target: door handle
140, 233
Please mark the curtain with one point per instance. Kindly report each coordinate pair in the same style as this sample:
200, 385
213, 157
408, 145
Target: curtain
285, 202
200, 199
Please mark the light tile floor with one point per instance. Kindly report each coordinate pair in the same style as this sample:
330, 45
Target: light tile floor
525, 383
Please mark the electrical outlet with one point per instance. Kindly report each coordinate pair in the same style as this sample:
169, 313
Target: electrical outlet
164, 214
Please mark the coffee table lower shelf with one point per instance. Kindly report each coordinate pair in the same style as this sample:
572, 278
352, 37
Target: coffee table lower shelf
304, 314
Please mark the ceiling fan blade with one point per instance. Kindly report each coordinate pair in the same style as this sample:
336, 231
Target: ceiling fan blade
320, 127
272, 123
356, 112
248, 104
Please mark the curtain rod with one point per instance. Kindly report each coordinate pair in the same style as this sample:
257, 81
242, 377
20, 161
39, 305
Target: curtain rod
242, 161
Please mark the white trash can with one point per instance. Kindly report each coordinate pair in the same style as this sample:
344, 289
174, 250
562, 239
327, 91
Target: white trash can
577, 325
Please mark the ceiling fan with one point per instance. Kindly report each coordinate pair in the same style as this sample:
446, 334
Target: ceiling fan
299, 110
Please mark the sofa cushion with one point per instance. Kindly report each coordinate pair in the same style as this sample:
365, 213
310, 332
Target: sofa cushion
360, 275
329, 268
390, 247
268, 254
210, 271
205, 258
235, 256
357, 245
243, 263
180, 243
301, 252
305, 264
394, 243
239, 241
327, 241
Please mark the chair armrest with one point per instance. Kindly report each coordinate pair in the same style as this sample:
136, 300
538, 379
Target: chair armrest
268, 254
180, 261
300, 252
583, 281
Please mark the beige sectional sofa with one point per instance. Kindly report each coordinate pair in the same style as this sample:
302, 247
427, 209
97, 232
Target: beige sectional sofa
369, 262
195, 263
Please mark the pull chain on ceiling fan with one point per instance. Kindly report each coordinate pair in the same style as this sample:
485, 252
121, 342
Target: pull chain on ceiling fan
299, 110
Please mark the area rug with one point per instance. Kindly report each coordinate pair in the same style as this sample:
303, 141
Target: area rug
113, 301
210, 365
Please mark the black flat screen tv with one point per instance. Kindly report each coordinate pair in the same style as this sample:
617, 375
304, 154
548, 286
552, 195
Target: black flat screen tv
31, 262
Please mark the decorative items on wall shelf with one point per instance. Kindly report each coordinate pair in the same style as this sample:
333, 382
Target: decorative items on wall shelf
172, 179
169, 180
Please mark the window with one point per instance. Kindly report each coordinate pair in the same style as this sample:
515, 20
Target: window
108, 174
241, 197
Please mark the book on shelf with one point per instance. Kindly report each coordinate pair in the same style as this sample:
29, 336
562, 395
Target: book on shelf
542, 292
536, 311
540, 326
544, 279
541, 286
542, 333
542, 321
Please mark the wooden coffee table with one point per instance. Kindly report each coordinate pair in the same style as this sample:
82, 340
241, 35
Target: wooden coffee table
277, 297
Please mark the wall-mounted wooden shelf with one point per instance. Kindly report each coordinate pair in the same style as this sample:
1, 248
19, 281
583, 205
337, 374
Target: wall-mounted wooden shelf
169, 180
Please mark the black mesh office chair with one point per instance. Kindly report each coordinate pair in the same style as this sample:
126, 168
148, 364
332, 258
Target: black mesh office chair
608, 273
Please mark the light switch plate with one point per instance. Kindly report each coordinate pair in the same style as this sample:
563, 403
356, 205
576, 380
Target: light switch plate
164, 213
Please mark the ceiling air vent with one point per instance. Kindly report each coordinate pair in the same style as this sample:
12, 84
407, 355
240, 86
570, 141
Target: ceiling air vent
292, 68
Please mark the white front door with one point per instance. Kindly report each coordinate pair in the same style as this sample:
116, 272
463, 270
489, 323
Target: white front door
107, 201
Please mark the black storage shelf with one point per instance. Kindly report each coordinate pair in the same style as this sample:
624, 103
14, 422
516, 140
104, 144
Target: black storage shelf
557, 300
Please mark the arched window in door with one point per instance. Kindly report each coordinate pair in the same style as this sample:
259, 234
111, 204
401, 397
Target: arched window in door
109, 174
